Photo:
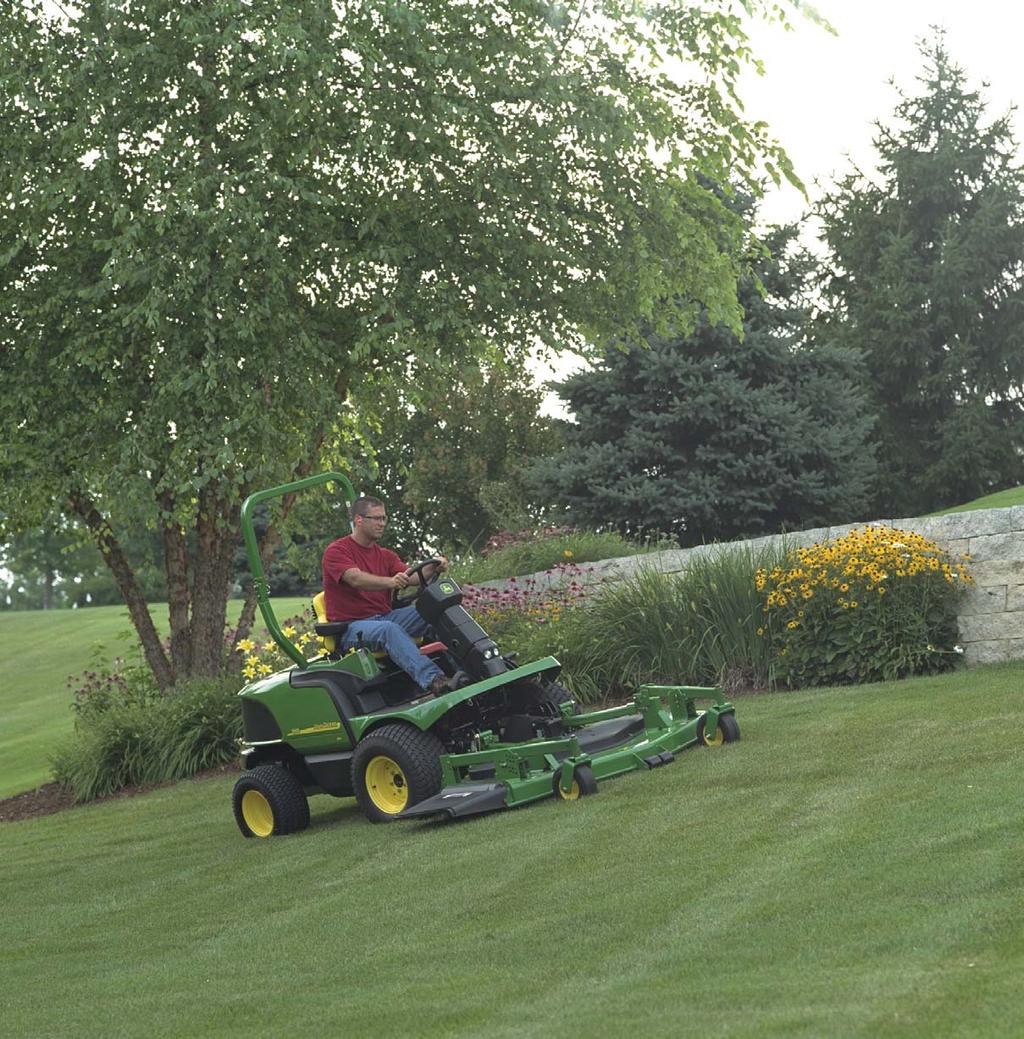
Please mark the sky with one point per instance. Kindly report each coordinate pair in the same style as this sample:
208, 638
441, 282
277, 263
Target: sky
821, 94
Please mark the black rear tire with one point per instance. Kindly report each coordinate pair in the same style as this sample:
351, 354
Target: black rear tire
393, 768
269, 801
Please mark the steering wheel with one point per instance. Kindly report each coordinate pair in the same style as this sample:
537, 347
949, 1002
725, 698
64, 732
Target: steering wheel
406, 596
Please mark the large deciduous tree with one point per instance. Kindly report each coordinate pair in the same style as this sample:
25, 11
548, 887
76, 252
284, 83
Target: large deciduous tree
927, 282
218, 218
706, 436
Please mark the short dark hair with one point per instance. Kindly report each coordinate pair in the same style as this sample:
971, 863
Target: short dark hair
362, 506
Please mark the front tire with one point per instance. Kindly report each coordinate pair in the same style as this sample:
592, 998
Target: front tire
269, 801
393, 768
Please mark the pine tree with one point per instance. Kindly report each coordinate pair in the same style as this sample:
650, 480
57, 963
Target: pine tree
710, 437
928, 284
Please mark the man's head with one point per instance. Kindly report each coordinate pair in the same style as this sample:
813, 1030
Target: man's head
368, 519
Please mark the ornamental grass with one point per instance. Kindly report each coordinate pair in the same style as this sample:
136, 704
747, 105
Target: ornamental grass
877, 604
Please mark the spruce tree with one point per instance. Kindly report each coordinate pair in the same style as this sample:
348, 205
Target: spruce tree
710, 437
927, 282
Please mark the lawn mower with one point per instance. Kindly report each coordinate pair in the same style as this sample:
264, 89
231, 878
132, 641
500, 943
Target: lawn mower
351, 723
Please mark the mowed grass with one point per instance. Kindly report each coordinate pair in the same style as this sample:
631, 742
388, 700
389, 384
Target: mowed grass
852, 867
38, 651
999, 500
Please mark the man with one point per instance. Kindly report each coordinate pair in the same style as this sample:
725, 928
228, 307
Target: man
360, 577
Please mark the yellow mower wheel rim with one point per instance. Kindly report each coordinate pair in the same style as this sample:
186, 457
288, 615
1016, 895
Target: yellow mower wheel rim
257, 813
386, 784
573, 793
714, 741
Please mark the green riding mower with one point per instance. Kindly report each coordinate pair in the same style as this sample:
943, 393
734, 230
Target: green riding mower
351, 723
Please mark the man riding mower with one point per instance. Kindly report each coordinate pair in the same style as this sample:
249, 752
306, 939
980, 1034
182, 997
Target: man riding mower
350, 722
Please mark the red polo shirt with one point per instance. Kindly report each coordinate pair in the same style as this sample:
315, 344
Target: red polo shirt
342, 601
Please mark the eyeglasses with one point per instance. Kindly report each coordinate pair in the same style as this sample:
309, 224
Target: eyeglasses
376, 519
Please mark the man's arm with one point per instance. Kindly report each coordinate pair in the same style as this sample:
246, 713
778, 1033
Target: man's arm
356, 578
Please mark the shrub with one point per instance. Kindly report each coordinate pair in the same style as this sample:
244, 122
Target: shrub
134, 740
877, 604
694, 628
532, 551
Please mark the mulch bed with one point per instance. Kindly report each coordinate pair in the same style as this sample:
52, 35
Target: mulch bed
52, 797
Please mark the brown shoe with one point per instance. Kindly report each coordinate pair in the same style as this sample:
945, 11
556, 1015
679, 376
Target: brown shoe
439, 686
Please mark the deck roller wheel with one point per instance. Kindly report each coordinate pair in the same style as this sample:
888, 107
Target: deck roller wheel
727, 731
583, 783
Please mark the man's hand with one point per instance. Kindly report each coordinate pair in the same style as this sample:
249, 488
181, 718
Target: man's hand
401, 580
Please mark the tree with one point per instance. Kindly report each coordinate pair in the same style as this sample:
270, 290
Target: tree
221, 219
927, 282
455, 459
707, 436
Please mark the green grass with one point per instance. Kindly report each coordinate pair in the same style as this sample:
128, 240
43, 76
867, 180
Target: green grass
999, 500
850, 868
38, 651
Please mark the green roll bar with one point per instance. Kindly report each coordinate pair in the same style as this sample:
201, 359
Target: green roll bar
252, 549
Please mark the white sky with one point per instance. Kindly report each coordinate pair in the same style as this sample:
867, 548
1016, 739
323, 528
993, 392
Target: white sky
821, 94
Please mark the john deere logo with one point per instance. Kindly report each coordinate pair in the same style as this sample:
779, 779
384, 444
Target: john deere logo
447, 587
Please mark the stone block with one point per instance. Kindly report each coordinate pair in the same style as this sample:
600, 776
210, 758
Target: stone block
993, 652
987, 627
997, 546
972, 524
1015, 598
997, 571
987, 599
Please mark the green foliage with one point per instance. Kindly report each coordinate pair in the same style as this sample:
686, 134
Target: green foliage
537, 549
927, 283
878, 603
694, 628
221, 220
699, 627
137, 738
707, 437
450, 449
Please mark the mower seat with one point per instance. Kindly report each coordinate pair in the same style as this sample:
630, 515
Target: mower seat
330, 633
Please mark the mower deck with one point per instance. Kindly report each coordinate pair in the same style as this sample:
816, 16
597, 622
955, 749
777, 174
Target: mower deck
646, 733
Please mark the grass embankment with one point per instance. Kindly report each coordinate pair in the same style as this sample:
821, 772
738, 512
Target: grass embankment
999, 500
852, 867
38, 651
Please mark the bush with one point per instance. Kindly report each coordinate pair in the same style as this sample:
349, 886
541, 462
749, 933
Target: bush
135, 740
532, 551
877, 604
696, 628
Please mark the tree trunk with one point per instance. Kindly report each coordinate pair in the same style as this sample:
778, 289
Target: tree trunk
114, 557
178, 594
217, 533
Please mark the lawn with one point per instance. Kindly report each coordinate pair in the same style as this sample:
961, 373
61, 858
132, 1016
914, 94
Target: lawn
999, 500
852, 867
38, 651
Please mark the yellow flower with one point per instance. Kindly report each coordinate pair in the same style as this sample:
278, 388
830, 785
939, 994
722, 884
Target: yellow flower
246, 645
289, 632
269, 646
567, 553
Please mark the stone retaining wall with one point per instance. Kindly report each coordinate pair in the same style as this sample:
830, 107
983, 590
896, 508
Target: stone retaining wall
991, 617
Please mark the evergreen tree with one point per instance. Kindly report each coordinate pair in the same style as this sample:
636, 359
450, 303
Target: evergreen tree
711, 437
928, 283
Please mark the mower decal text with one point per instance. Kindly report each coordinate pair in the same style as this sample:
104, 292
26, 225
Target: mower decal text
309, 730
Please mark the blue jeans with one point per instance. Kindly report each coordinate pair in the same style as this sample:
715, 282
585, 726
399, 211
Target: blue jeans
394, 633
